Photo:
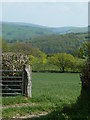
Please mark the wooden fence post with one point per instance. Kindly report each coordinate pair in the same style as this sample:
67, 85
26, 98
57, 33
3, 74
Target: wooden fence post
28, 83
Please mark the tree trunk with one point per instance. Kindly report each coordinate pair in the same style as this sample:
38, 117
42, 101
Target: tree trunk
63, 69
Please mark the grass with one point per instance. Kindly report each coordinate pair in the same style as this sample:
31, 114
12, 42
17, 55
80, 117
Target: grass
54, 87
50, 91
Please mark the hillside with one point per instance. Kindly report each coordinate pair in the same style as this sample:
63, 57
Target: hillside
48, 40
18, 31
58, 43
25, 31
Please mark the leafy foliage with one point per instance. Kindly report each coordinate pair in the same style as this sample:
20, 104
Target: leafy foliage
78, 65
85, 77
82, 51
58, 43
62, 60
5, 47
23, 48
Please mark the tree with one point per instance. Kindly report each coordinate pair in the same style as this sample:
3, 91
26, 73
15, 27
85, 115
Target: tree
85, 77
88, 47
78, 65
62, 60
41, 60
85, 80
81, 52
32, 60
5, 47
24, 48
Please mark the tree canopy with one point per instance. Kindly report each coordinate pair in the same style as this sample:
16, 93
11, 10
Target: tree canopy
62, 60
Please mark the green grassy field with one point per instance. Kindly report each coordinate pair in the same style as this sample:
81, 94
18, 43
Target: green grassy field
54, 87
50, 92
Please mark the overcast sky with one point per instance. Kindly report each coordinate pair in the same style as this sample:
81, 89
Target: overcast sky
47, 14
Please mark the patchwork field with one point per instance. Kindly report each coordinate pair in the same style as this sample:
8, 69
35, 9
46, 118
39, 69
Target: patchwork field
50, 92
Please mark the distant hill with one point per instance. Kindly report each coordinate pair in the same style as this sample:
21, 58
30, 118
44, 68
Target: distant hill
21, 31
65, 30
24, 31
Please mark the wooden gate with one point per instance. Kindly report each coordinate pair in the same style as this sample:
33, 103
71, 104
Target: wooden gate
16, 82
12, 82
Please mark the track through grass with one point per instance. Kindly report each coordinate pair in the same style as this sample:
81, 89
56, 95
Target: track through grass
49, 91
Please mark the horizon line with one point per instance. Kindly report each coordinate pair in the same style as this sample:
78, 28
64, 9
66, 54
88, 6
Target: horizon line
41, 25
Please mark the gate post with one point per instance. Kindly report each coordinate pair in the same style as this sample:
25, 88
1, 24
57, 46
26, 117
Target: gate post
28, 84
23, 81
